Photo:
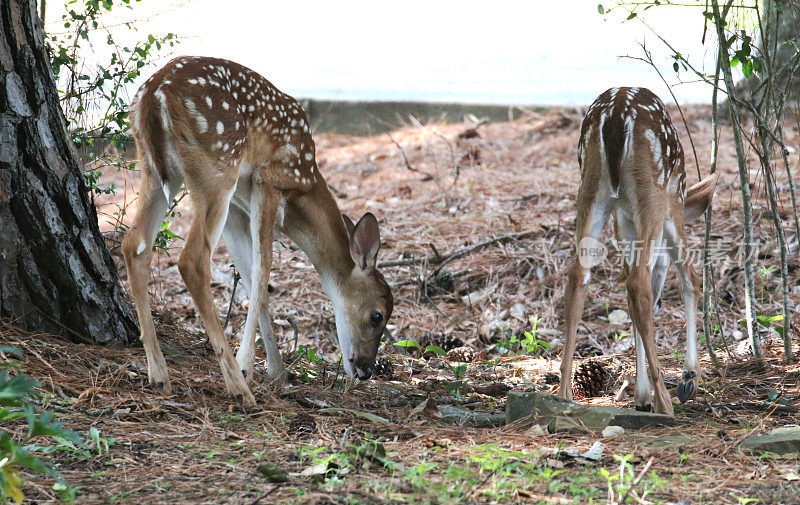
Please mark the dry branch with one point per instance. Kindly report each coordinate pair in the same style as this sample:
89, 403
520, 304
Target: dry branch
442, 259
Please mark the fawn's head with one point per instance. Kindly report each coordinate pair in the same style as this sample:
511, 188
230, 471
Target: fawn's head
365, 302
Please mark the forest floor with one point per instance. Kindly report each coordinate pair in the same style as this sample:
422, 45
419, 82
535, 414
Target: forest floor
405, 436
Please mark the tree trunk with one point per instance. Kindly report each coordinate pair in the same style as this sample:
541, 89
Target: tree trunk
744, 180
56, 275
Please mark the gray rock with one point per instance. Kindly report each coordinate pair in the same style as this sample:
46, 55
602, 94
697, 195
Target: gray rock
520, 405
780, 441
544, 408
464, 417
785, 429
612, 431
564, 424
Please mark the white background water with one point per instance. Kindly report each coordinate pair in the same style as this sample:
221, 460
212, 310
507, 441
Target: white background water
502, 52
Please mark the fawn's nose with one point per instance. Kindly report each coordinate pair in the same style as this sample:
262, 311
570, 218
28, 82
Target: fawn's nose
363, 368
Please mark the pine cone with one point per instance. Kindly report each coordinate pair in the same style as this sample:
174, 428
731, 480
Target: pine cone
551, 378
591, 378
446, 342
384, 367
303, 424
588, 348
461, 354
444, 280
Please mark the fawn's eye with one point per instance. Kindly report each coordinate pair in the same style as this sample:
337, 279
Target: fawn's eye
375, 318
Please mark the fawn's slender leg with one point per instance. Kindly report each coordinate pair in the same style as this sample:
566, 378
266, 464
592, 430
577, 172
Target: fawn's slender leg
631, 249
263, 208
593, 212
195, 267
642, 390
660, 268
687, 278
137, 247
236, 235
640, 304
275, 368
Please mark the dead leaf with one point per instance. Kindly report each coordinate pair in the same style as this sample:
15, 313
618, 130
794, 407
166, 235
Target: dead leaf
88, 395
427, 408
314, 470
430, 443
791, 474
595, 452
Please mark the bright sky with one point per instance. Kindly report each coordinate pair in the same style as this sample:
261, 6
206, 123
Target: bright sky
507, 52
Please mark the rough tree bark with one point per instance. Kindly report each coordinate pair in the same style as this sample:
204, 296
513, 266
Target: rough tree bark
744, 180
56, 275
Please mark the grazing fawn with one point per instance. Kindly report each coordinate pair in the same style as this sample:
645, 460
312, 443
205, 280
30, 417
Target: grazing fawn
245, 153
632, 164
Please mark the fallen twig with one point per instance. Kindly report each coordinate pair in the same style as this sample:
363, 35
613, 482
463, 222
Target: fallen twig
442, 259
637, 479
408, 166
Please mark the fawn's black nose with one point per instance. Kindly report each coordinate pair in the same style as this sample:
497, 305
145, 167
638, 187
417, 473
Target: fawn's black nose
364, 368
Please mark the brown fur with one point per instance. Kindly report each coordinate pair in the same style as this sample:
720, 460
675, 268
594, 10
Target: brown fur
202, 121
631, 121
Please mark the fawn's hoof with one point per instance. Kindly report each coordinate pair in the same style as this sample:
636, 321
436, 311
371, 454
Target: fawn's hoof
160, 386
686, 386
245, 400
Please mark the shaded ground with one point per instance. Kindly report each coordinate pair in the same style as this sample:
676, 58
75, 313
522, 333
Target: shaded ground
438, 189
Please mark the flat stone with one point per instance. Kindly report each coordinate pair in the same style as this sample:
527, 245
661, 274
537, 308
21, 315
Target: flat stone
543, 408
597, 417
520, 405
780, 441
785, 429
564, 424
464, 417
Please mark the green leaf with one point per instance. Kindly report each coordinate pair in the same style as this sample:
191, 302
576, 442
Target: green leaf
407, 343
631, 16
311, 356
767, 320
44, 425
601, 9
10, 349
17, 389
747, 68
436, 350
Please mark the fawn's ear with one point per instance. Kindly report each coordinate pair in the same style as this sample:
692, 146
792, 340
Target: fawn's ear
348, 226
365, 240
698, 198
